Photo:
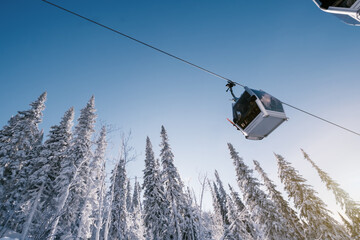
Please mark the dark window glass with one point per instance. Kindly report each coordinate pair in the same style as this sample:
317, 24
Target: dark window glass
343, 3
327, 3
242, 104
337, 3
245, 110
269, 102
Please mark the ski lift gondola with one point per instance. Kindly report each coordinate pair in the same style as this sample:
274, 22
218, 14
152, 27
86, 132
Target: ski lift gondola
346, 10
256, 113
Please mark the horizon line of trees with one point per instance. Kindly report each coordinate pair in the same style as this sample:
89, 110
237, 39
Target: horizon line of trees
55, 189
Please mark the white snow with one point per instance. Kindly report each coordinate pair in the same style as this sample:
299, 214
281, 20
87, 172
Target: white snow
10, 235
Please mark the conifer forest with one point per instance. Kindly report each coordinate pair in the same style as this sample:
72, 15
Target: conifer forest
57, 187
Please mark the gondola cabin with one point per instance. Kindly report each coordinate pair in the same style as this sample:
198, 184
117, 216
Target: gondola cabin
346, 10
257, 113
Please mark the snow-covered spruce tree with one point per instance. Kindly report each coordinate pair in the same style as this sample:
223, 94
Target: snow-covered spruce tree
128, 196
262, 209
119, 216
218, 227
320, 225
291, 219
136, 227
237, 227
236, 199
206, 226
6, 135
62, 185
136, 223
221, 196
17, 140
202, 220
348, 226
173, 189
243, 214
352, 208
221, 209
44, 170
104, 214
32, 212
155, 204
22, 184
116, 215
118, 224
73, 222
98, 175
109, 198
136, 201
191, 219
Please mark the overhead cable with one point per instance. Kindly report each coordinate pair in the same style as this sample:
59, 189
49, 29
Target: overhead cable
189, 63
141, 42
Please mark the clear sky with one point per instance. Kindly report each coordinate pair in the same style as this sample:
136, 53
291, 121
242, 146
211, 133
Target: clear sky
288, 48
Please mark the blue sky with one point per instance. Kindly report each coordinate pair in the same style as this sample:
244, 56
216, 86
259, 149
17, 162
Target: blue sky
289, 49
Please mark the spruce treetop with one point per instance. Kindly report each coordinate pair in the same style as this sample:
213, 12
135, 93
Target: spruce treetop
68, 118
150, 171
98, 163
38, 105
166, 152
86, 120
101, 142
35, 113
169, 172
149, 155
61, 134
